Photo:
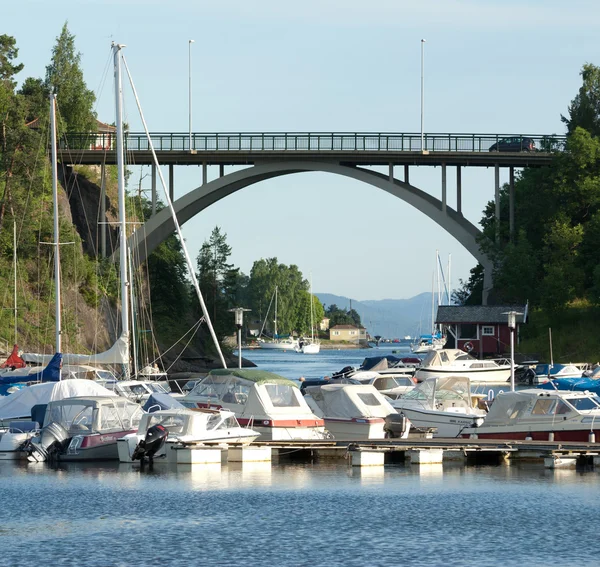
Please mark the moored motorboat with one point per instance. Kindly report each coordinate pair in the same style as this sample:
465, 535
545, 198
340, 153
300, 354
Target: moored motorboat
185, 426
84, 429
454, 362
541, 415
351, 412
444, 403
266, 402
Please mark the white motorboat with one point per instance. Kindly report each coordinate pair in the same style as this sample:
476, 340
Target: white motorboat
266, 402
444, 403
14, 438
454, 362
85, 429
140, 390
541, 415
351, 411
186, 426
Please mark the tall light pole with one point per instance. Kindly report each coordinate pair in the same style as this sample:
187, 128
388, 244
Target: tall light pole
190, 86
239, 323
422, 92
512, 324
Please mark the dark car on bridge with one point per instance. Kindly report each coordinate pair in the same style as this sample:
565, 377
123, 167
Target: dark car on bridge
515, 144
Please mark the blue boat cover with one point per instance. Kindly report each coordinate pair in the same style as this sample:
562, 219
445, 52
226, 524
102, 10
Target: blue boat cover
49, 374
158, 401
576, 384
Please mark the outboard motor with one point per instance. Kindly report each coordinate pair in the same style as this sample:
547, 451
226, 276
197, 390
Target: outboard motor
397, 425
52, 440
151, 444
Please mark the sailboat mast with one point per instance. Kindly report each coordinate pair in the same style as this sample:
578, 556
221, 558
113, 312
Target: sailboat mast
56, 226
312, 327
15, 273
121, 185
133, 312
275, 337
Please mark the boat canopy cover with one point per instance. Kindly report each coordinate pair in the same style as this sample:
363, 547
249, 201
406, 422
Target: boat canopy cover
158, 401
20, 403
444, 357
253, 375
49, 374
348, 401
573, 384
554, 369
116, 354
14, 360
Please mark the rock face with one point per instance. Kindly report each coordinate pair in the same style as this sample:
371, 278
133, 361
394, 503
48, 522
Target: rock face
84, 201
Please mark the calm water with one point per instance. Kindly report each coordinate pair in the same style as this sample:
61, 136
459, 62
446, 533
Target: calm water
298, 514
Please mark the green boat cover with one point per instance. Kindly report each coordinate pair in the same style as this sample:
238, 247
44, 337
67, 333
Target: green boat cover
253, 375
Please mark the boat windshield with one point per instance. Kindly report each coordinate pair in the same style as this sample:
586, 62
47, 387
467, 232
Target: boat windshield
385, 383
583, 404
156, 387
119, 416
282, 395
75, 418
174, 424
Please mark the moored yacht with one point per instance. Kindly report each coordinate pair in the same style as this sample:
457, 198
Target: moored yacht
266, 402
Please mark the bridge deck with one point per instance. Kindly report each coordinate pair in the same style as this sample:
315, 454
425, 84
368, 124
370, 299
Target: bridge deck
346, 157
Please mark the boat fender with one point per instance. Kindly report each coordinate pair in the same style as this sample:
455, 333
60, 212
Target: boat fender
468, 346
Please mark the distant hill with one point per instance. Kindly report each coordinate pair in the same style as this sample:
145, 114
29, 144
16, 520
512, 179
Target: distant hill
390, 318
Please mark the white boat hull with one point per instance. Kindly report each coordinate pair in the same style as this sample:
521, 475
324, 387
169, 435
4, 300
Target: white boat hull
278, 346
448, 424
312, 348
477, 376
355, 429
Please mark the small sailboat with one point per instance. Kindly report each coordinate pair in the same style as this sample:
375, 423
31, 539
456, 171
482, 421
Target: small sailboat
277, 342
312, 345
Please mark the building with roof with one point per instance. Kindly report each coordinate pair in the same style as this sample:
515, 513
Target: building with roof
481, 330
349, 333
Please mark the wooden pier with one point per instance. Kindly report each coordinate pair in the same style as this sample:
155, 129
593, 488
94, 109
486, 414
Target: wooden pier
467, 451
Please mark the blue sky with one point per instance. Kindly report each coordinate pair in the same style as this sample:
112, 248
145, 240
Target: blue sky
320, 65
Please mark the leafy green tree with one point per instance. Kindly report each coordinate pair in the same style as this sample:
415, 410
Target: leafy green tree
8, 53
218, 280
584, 110
64, 77
338, 316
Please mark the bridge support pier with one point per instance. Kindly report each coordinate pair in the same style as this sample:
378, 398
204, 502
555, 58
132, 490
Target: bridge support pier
444, 188
204, 173
102, 211
153, 189
221, 170
406, 180
391, 172
171, 183
458, 190
511, 203
497, 200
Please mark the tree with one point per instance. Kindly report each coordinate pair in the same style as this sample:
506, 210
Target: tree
64, 77
338, 316
218, 281
584, 110
8, 52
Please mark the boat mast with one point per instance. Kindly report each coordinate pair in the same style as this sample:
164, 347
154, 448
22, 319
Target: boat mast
133, 312
15, 273
275, 336
188, 260
56, 226
312, 329
121, 185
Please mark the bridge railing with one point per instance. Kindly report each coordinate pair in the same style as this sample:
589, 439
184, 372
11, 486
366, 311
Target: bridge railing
308, 141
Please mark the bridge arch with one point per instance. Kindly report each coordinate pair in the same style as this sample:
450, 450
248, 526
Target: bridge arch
146, 238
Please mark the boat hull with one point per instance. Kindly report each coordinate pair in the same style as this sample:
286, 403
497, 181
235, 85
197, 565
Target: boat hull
579, 435
477, 376
356, 429
278, 346
312, 348
448, 424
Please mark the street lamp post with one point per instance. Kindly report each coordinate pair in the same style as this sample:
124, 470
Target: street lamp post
239, 322
422, 93
512, 324
190, 89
